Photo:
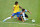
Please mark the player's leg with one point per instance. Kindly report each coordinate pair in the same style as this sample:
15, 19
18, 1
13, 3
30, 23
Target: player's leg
21, 18
18, 14
9, 17
18, 17
6, 19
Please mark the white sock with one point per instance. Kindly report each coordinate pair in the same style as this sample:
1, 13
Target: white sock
6, 19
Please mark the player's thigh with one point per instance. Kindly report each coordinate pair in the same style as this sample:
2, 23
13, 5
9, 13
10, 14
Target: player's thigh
17, 15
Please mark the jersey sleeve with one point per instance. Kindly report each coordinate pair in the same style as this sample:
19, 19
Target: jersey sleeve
25, 10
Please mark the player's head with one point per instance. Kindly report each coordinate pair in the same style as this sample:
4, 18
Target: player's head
23, 10
16, 3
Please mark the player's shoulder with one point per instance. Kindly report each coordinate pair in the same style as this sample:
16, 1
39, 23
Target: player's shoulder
25, 10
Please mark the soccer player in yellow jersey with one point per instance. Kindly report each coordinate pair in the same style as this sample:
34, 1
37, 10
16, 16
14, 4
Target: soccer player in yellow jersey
16, 9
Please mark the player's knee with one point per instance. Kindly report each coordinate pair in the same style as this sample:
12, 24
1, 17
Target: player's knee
11, 16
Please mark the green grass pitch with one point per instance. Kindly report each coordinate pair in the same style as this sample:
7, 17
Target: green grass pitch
31, 5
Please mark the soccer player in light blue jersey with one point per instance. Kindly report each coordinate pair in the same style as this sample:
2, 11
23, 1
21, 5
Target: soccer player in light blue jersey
25, 15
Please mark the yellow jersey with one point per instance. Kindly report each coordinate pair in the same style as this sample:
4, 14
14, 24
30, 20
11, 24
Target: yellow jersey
16, 8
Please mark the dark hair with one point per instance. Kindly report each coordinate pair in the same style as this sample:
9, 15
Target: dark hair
16, 2
23, 9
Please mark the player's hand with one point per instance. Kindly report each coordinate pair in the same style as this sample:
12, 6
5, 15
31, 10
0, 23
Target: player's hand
30, 13
12, 13
13, 9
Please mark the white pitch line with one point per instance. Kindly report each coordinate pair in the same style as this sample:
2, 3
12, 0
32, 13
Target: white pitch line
29, 24
22, 23
9, 22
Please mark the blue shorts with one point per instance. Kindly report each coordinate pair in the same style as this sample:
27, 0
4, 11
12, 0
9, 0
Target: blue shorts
18, 13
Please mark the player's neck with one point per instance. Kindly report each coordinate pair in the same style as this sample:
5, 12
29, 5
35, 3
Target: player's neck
16, 5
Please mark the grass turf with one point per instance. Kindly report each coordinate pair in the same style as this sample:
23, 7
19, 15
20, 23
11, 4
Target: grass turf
31, 5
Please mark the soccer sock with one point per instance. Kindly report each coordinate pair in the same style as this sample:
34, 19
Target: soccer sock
18, 18
6, 19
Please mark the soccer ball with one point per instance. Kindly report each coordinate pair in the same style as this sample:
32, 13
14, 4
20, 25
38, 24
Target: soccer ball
33, 20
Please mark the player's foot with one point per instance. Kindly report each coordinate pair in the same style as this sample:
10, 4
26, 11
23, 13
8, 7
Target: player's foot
3, 20
23, 21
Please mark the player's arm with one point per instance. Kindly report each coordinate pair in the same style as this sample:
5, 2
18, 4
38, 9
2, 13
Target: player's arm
20, 7
22, 18
13, 8
29, 11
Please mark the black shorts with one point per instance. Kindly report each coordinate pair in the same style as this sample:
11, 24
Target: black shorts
26, 15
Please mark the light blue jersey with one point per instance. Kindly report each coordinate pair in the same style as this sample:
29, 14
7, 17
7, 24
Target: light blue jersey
24, 12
